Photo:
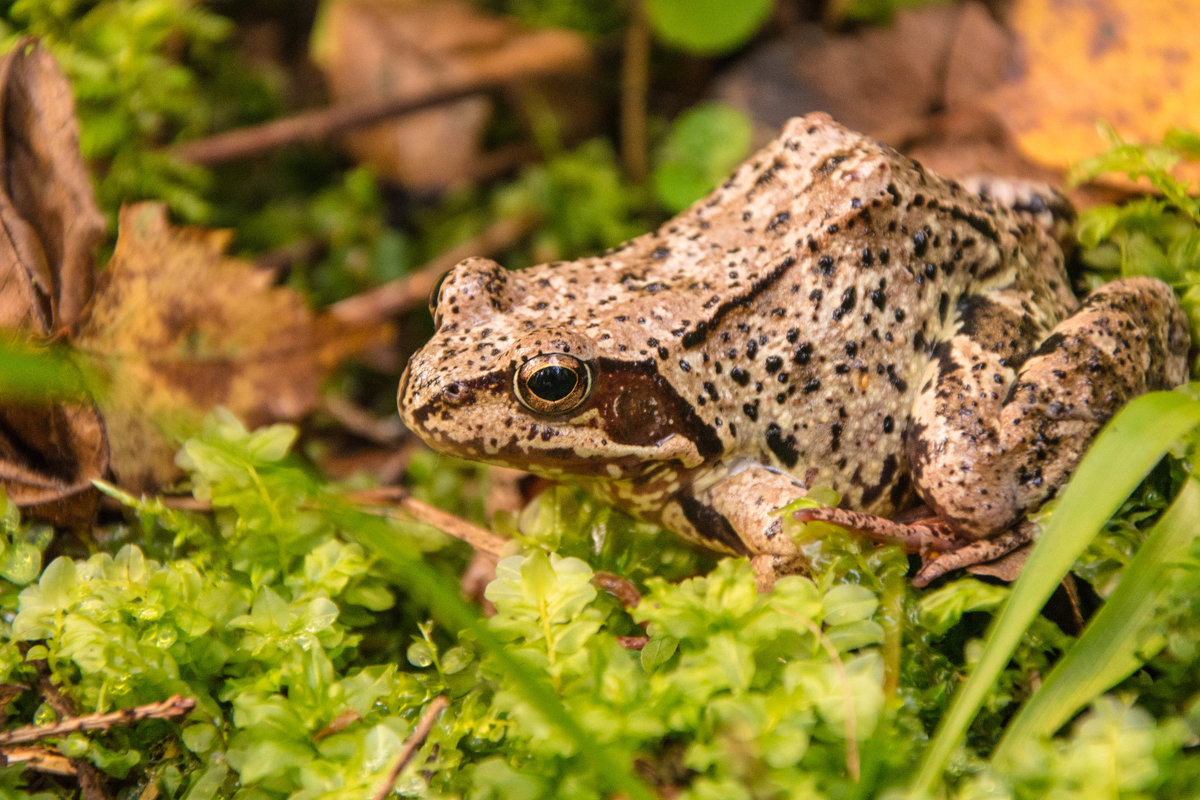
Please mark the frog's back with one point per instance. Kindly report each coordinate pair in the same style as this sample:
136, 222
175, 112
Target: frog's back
798, 304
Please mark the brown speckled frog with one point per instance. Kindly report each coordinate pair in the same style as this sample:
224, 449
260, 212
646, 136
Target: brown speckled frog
833, 315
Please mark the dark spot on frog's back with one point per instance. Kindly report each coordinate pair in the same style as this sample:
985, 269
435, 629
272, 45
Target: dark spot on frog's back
979, 222
639, 407
829, 164
783, 447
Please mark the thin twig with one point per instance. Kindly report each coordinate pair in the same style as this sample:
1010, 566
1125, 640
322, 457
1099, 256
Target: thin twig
633, 642
414, 742
386, 432
170, 708
618, 587
322, 124
635, 82
39, 759
91, 785
413, 289
481, 539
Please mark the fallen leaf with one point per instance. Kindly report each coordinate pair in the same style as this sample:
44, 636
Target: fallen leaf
49, 456
1130, 62
49, 226
49, 221
180, 328
375, 50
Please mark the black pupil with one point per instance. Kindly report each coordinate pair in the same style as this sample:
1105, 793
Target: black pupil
553, 383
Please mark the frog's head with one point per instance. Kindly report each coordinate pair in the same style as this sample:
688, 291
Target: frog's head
513, 379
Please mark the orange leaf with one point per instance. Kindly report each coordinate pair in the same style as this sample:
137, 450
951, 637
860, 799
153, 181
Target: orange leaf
1130, 62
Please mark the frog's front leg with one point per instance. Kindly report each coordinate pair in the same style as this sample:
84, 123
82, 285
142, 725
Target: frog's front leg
984, 449
737, 513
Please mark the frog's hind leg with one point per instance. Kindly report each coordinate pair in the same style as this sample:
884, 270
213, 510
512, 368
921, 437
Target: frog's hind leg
1034, 200
984, 451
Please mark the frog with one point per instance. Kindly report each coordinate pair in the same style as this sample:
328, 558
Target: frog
832, 315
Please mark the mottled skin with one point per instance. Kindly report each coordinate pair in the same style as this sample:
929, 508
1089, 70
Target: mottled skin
831, 315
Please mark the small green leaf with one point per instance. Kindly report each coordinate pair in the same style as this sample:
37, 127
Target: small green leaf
21, 563
658, 651
705, 143
199, 738
707, 26
855, 635
848, 602
456, 659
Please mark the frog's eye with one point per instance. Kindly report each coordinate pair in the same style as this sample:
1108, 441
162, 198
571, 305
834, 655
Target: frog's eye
433, 299
553, 383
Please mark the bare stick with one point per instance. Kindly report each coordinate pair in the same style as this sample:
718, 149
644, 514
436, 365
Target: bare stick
481, 539
39, 759
170, 708
619, 588
413, 289
635, 82
413, 744
322, 124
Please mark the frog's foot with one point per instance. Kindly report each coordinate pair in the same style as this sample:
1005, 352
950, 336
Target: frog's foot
1002, 556
942, 551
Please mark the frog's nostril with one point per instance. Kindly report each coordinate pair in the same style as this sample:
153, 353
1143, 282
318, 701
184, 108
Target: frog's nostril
455, 393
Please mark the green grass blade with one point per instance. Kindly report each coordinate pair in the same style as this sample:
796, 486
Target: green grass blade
1124, 452
1107, 651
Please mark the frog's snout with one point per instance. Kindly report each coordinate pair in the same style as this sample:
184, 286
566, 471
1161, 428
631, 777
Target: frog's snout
423, 393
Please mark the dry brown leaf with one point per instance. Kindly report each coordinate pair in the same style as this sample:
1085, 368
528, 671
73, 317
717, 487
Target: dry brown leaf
375, 49
181, 328
1130, 62
890, 81
49, 221
49, 226
48, 458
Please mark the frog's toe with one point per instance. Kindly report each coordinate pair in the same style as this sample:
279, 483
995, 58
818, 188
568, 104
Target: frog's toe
919, 536
768, 567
